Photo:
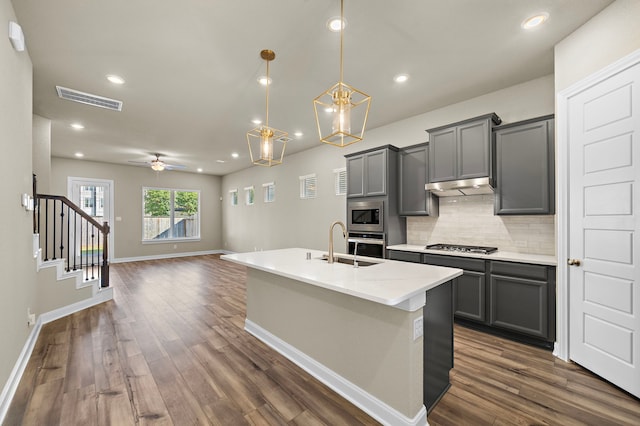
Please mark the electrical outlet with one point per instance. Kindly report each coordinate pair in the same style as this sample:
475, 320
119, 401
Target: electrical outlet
31, 318
418, 328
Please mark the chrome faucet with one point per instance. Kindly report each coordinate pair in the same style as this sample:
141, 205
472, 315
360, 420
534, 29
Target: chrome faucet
344, 234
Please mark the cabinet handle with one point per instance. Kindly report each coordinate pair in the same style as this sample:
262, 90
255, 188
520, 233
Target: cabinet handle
573, 262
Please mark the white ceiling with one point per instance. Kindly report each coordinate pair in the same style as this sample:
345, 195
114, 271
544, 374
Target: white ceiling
191, 66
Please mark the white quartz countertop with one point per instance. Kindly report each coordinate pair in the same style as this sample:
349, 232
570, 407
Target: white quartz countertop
507, 256
393, 283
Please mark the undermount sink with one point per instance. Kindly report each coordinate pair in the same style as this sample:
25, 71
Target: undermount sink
348, 261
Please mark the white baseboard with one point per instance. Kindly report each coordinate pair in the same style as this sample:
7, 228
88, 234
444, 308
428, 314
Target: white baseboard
368, 403
166, 256
16, 374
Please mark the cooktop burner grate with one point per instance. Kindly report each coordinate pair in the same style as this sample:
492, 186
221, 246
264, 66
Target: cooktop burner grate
462, 249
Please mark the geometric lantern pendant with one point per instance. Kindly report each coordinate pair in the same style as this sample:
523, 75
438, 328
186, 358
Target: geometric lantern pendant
342, 110
266, 144
341, 114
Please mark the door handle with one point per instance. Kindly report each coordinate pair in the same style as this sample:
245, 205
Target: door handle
573, 262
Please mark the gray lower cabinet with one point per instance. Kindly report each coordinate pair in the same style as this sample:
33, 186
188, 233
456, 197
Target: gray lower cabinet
462, 150
470, 289
413, 199
525, 167
515, 299
522, 298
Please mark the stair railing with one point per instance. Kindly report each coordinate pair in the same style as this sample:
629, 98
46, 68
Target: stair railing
67, 232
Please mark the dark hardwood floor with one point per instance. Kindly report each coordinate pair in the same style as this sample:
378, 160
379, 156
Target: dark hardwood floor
171, 349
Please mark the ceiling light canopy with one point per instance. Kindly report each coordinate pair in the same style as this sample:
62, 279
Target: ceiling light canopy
266, 144
535, 21
348, 107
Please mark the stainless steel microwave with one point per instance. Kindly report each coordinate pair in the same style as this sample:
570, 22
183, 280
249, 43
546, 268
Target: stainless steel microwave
365, 216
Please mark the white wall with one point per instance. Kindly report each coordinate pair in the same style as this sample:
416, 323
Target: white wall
18, 282
608, 36
291, 222
42, 152
128, 184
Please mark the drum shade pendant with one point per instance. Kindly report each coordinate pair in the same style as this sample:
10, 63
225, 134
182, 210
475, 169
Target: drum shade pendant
266, 144
342, 110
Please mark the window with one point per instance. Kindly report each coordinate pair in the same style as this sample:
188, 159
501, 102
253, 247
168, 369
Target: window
170, 214
249, 195
340, 177
269, 192
308, 186
233, 196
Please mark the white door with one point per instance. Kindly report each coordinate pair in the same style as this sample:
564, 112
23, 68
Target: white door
94, 197
604, 207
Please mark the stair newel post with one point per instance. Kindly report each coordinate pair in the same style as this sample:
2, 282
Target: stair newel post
84, 253
75, 239
35, 202
105, 254
93, 251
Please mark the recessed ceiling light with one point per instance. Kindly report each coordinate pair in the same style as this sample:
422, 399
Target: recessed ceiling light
79, 154
256, 121
401, 78
221, 161
328, 109
115, 79
199, 169
535, 21
335, 24
298, 134
77, 126
264, 80
235, 155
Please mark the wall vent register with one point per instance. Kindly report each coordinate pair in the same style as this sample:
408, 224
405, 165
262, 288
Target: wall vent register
462, 249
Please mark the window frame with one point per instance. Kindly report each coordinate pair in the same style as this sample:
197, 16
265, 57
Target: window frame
269, 188
305, 184
172, 192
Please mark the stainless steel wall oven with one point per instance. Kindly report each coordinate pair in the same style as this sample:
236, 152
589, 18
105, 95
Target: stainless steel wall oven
370, 245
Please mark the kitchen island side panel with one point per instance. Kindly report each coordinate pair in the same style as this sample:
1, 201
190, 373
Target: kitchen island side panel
367, 343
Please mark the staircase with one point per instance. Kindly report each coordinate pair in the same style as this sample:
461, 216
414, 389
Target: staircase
75, 246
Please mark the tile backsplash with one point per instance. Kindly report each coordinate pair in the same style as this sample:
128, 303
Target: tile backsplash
470, 220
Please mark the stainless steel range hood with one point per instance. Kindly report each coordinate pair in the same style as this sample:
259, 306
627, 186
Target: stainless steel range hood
454, 188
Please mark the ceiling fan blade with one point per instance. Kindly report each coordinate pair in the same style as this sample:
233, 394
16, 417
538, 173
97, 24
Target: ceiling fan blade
174, 166
140, 163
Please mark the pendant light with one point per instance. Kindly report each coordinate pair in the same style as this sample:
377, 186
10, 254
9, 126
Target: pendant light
266, 144
342, 110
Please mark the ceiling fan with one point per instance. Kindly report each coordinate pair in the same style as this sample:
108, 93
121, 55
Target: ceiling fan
158, 165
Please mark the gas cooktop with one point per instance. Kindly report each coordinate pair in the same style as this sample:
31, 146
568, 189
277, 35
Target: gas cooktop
462, 249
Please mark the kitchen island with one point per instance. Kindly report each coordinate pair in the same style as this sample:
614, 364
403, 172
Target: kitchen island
358, 330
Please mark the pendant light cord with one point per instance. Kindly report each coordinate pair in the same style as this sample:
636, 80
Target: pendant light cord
341, 36
268, 84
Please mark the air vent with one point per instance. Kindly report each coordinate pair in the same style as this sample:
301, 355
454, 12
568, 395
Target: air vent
88, 99
284, 139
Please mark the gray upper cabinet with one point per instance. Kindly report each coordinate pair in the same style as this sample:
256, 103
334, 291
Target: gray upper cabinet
525, 168
368, 172
412, 176
462, 150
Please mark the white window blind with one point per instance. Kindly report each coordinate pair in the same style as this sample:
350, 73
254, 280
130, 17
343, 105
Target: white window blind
233, 196
269, 192
340, 178
308, 186
249, 195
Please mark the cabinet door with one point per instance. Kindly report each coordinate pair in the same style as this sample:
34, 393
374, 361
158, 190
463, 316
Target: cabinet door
519, 304
413, 176
473, 148
355, 176
525, 169
376, 173
469, 291
442, 155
